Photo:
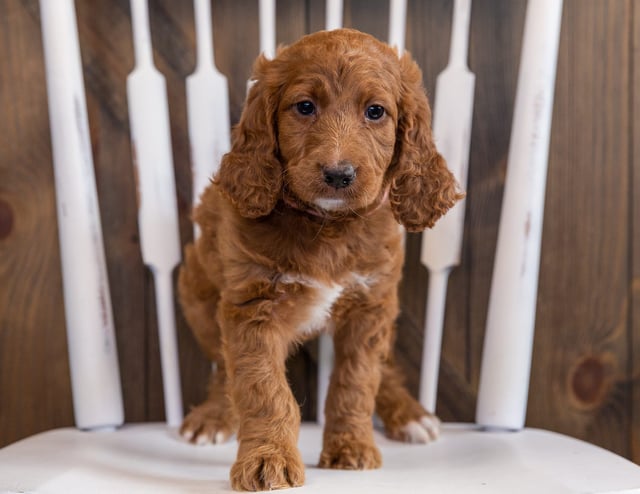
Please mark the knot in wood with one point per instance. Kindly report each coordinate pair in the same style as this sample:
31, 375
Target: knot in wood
589, 382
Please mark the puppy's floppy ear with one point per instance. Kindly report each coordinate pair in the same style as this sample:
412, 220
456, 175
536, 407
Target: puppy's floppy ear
251, 174
422, 187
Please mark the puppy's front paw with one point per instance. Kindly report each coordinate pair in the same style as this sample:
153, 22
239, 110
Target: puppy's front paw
266, 468
208, 423
350, 455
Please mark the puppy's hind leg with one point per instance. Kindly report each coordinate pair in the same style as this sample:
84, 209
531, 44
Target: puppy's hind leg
403, 417
214, 420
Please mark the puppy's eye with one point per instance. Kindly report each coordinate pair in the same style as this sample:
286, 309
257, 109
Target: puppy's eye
306, 108
374, 112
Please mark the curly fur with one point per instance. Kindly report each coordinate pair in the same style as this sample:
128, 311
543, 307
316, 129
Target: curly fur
285, 254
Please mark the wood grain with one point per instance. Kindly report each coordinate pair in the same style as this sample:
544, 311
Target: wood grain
581, 356
586, 366
634, 282
34, 375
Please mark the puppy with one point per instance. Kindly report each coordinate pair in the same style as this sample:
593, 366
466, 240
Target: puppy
300, 235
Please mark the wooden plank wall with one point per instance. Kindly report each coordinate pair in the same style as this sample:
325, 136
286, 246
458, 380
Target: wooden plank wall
634, 323
587, 343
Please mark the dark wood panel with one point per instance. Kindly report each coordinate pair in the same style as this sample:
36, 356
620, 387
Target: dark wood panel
369, 16
634, 285
581, 356
34, 376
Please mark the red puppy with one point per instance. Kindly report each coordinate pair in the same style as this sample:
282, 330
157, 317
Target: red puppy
300, 235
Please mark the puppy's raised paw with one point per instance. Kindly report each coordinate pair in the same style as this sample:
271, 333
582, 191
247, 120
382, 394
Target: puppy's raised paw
351, 455
266, 468
208, 424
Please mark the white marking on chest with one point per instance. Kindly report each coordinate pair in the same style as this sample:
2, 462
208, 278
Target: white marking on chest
325, 296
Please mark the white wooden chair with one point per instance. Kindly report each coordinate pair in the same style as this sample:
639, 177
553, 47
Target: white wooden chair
495, 455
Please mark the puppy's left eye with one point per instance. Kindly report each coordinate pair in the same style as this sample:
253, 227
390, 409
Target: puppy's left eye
306, 108
374, 112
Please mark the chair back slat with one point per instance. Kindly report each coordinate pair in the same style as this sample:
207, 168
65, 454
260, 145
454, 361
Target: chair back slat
508, 345
268, 28
93, 358
207, 108
157, 201
441, 247
397, 24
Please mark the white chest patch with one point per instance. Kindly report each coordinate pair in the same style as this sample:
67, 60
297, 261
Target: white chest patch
325, 296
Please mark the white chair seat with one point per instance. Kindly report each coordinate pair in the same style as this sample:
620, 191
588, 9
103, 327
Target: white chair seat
150, 458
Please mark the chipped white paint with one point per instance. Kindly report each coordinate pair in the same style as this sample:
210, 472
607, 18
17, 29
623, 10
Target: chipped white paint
506, 359
93, 356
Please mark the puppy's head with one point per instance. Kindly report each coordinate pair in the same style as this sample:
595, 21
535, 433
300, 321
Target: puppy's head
338, 121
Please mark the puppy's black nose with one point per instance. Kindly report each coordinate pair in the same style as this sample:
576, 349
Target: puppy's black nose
340, 176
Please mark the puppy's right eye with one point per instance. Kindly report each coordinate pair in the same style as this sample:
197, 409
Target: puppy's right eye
306, 108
